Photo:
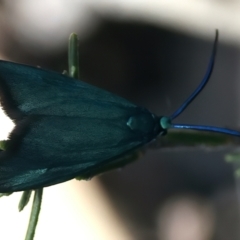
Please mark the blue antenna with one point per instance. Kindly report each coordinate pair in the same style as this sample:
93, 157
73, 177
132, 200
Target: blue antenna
166, 122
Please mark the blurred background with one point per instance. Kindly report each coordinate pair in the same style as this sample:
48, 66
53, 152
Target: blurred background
153, 53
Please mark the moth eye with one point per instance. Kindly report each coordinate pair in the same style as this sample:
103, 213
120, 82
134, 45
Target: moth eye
6, 125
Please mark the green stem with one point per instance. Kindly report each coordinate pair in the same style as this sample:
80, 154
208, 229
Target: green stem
73, 56
178, 138
24, 200
36, 207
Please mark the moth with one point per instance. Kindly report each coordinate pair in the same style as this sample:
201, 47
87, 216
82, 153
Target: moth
66, 128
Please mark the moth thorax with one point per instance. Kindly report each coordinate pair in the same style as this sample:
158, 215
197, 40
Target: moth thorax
144, 122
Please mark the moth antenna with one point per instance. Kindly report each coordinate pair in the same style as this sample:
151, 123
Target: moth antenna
203, 82
166, 122
206, 128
